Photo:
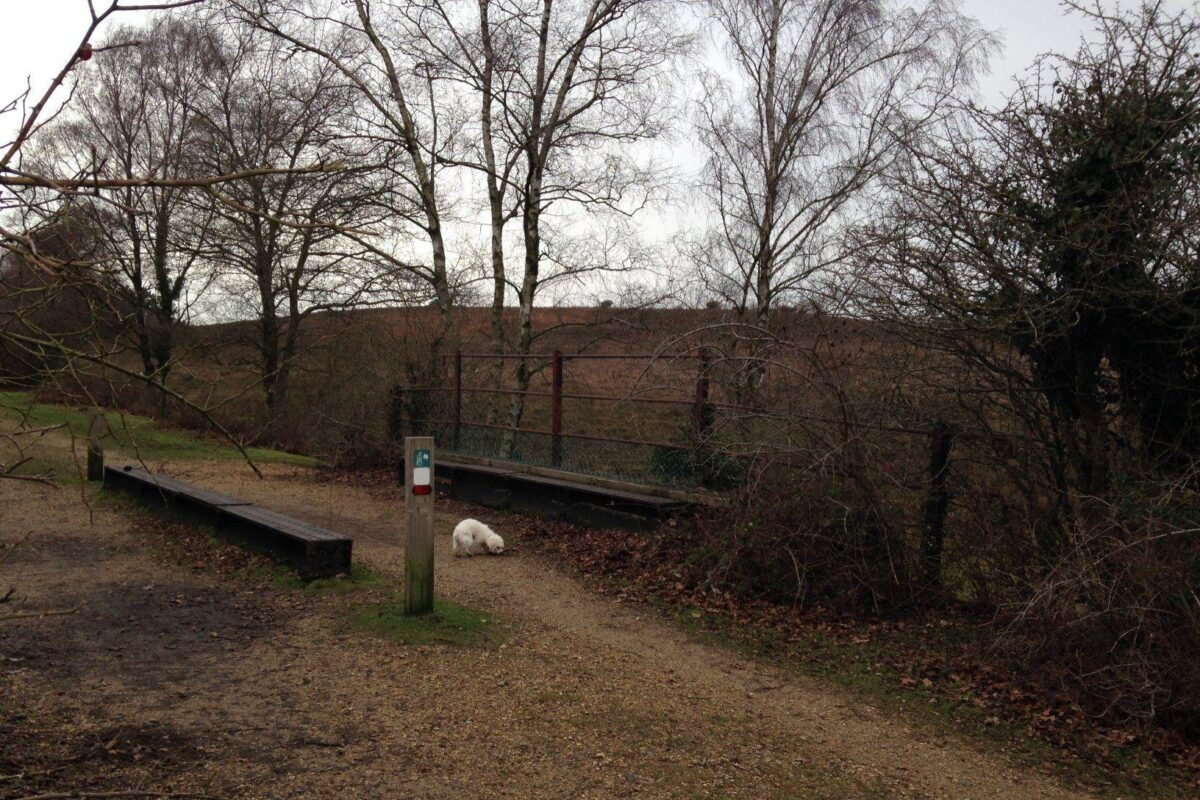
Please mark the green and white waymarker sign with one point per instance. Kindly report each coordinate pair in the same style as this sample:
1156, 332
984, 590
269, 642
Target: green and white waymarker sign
420, 473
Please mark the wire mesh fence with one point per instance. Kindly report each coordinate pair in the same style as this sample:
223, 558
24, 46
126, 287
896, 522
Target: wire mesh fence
639, 417
626, 461
632, 417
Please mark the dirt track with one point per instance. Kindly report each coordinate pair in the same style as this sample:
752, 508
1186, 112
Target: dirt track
173, 679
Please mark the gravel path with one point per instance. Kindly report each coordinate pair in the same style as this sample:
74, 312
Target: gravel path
241, 691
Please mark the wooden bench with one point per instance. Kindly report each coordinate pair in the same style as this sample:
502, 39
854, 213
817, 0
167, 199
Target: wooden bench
313, 551
570, 500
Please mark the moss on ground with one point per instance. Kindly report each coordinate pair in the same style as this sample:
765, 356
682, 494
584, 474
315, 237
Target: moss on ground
448, 623
361, 577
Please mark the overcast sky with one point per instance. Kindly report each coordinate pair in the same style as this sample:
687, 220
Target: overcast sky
40, 34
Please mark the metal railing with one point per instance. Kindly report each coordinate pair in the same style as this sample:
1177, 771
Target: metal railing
557, 360
694, 392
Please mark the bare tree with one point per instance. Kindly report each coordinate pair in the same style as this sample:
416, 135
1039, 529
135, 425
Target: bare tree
284, 240
468, 45
559, 91
34, 273
564, 91
33, 204
585, 77
366, 44
823, 97
137, 116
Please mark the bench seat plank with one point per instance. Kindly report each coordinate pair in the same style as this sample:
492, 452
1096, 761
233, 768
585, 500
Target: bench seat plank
178, 488
293, 527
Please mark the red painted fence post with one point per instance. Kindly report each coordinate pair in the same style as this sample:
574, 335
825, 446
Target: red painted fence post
457, 399
556, 386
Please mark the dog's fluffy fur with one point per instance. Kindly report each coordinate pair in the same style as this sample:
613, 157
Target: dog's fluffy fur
473, 538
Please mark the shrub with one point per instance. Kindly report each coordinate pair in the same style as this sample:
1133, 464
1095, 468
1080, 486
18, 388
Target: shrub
1118, 615
826, 542
699, 461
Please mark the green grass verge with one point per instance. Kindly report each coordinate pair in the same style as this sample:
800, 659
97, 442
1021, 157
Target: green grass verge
448, 623
361, 577
137, 436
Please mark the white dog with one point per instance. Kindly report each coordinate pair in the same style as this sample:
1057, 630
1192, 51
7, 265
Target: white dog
472, 538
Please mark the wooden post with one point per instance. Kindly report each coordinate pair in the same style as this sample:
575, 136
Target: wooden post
556, 387
95, 451
396, 422
700, 406
941, 439
457, 399
418, 524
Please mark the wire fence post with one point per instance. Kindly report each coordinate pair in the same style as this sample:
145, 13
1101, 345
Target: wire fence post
941, 439
457, 399
556, 387
700, 406
95, 450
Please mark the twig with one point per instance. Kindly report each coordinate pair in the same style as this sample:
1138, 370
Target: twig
17, 776
12, 177
31, 614
43, 478
119, 793
15, 545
